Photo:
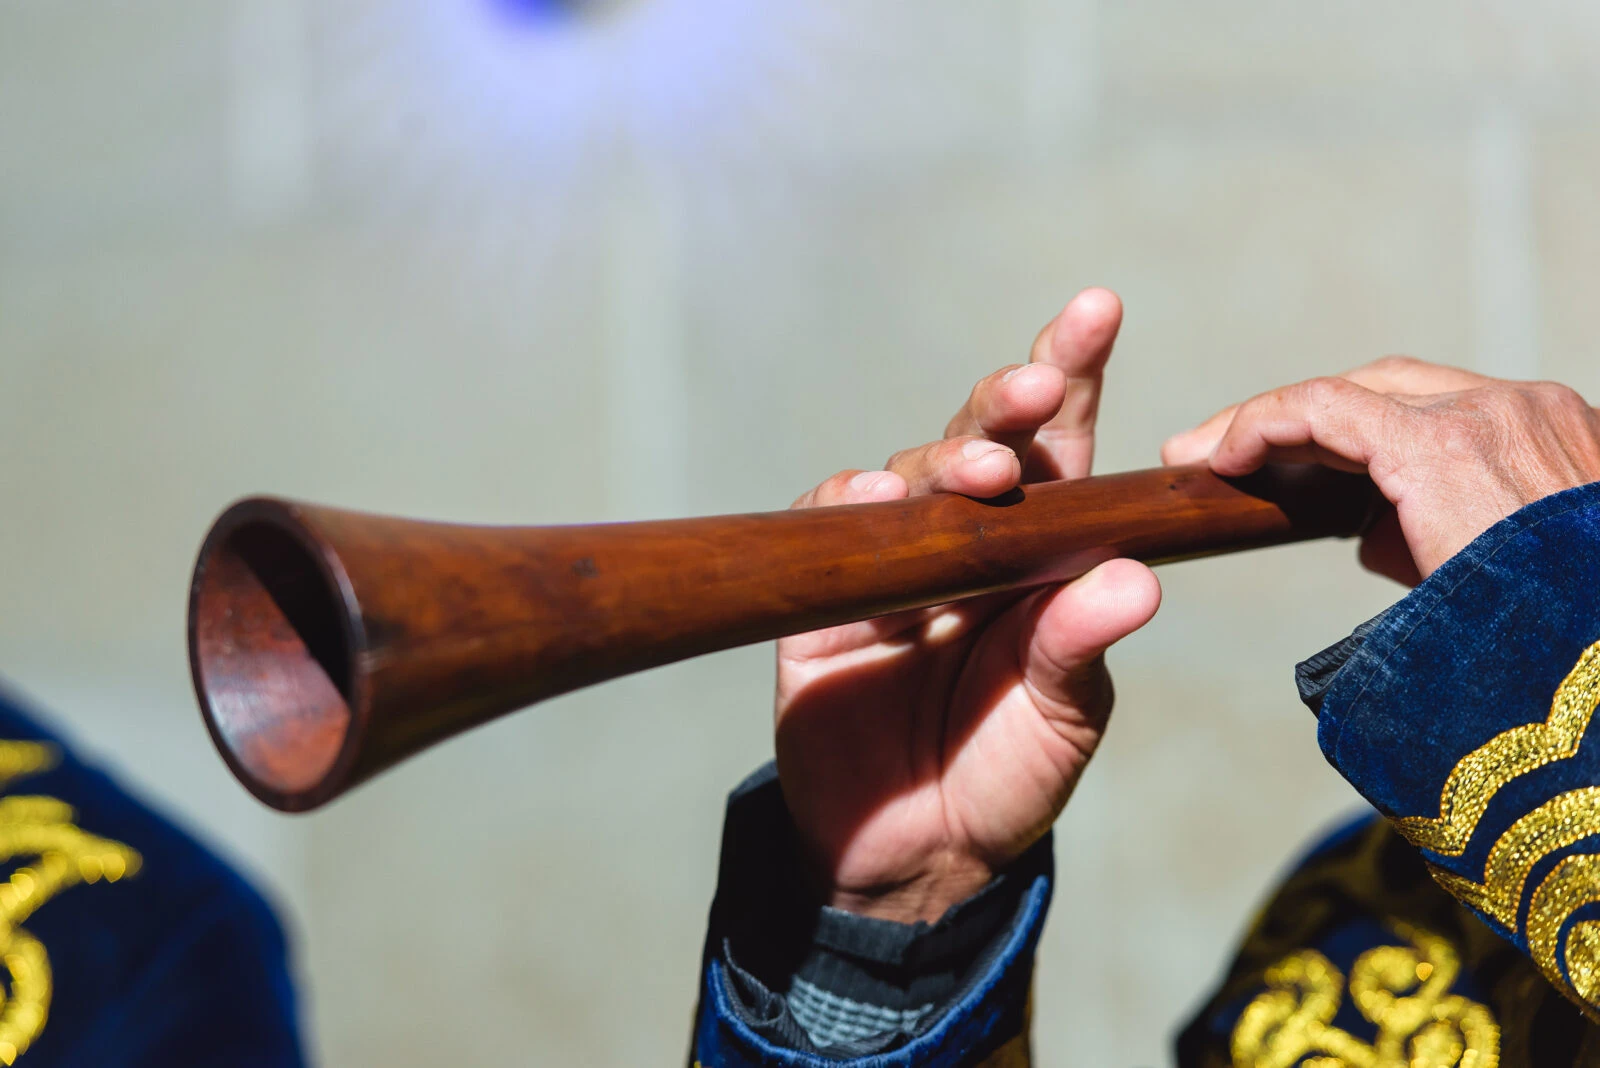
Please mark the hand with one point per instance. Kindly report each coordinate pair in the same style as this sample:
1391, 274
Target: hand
1453, 452
920, 753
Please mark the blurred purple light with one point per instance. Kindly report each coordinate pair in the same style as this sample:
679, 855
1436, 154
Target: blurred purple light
546, 12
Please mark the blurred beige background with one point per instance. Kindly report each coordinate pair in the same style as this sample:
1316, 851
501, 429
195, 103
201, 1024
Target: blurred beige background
693, 257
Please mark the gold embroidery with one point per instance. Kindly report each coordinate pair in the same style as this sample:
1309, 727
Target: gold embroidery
25, 758
1583, 960
1556, 824
1560, 822
1573, 883
1479, 776
42, 828
1403, 990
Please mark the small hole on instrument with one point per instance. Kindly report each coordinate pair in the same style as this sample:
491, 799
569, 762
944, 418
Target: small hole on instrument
273, 659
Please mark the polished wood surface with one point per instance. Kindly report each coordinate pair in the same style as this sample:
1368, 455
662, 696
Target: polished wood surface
328, 645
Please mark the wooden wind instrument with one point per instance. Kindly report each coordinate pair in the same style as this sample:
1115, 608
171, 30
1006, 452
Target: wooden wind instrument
328, 645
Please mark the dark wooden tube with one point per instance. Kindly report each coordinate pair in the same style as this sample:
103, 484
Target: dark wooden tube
327, 645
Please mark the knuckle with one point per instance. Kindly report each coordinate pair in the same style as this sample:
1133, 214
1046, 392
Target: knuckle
920, 457
1500, 402
1563, 398
1255, 406
1326, 391
980, 390
1461, 438
1464, 427
1397, 363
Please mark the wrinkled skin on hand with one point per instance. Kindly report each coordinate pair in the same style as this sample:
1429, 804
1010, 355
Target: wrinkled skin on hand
1453, 452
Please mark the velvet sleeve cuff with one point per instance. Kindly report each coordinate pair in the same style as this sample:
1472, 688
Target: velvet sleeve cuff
787, 981
1461, 715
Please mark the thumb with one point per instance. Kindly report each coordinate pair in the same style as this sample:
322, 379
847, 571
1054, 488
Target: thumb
1073, 626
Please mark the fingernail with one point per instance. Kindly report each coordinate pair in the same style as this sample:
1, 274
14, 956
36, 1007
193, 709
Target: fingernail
977, 450
1009, 375
868, 480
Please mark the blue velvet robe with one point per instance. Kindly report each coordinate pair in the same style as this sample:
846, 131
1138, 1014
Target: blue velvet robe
1458, 925
124, 942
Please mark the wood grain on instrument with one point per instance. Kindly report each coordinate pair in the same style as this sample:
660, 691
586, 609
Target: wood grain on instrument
328, 645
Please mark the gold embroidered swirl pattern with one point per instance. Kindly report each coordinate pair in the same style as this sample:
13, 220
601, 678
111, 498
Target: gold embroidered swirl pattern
1403, 990
1583, 959
1556, 824
1571, 885
42, 828
1474, 781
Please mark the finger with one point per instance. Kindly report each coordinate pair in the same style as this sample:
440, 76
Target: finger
1078, 342
853, 487
1010, 405
848, 487
1329, 420
974, 466
1410, 380
1405, 374
1072, 628
1193, 446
